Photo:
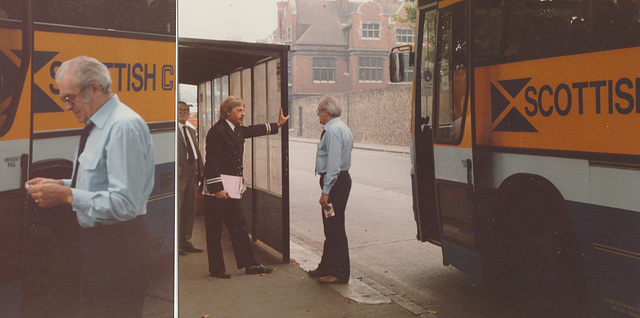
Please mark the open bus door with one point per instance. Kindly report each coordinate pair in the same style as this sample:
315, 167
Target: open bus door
422, 171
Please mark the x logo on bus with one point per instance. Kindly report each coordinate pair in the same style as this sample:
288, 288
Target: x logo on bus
9, 72
503, 107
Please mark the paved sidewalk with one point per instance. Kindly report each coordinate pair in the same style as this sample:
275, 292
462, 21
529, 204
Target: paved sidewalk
287, 292
158, 302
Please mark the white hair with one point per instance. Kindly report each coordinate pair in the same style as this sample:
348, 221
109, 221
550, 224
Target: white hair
86, 70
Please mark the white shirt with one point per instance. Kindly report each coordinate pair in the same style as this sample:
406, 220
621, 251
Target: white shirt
189, 141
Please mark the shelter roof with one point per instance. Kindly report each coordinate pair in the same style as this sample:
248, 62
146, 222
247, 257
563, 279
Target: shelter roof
200, 60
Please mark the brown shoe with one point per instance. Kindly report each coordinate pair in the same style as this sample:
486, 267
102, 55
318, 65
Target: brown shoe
332, 280
315, 273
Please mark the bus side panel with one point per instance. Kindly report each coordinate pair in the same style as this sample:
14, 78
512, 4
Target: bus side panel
15, 111
543, 110
534, 104
161, 205
610, 243
15, 126
142, 74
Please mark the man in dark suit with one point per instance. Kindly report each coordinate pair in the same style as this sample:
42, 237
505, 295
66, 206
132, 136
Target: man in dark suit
224, 151
190, 170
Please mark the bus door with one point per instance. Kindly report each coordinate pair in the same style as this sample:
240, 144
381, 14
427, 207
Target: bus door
15, 112
452, 135
422, 174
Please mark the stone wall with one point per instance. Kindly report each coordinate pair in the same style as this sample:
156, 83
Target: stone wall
378, 116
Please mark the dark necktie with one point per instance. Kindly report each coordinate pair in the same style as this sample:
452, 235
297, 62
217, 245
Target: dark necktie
322, 134
83, 141
190, 156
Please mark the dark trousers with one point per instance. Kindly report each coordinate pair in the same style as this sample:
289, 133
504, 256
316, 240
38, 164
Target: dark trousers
335, 258
215, 212
115, 269
187, 211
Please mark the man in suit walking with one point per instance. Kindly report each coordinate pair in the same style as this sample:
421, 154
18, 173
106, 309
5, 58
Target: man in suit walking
224, 152
190, 170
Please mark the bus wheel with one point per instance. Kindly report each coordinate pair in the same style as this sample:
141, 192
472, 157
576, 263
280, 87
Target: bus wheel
547, 259
547, 255
538, 247
540, 260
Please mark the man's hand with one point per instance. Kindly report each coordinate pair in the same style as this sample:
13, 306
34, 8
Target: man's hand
222, 194
281, 119
39, 181
47, 192
324, 201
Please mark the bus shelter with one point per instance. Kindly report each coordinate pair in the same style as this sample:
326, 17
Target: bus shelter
257, 73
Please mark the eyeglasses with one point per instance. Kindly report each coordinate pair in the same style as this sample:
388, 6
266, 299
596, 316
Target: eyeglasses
70, 98
183, 110
319, 110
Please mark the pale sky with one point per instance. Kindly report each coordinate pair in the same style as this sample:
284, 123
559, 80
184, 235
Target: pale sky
236, 20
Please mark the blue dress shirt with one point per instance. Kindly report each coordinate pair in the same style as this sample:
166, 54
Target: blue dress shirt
116, 169
334, 152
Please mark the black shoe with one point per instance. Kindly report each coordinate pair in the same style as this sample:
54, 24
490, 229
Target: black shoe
316, 273
192, 249
224, 275
182, 252
258, 269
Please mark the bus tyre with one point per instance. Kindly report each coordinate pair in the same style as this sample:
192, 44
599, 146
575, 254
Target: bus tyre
539, 261
546, 250
536, 247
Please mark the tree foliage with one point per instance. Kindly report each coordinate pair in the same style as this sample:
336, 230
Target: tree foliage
410, 14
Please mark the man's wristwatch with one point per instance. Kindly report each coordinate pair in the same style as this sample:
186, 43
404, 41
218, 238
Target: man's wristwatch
70, 196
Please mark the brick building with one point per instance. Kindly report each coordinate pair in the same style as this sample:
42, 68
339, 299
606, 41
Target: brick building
339, 46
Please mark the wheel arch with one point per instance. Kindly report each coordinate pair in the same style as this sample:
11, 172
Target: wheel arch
51, 168
532, 186
529, 206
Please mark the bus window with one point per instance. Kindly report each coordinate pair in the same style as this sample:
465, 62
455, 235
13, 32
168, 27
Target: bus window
616, 24
426, 65
124, 15
452, 74
524, 30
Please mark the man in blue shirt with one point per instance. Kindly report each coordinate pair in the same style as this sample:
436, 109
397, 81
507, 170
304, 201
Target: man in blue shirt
112, 180
333, 161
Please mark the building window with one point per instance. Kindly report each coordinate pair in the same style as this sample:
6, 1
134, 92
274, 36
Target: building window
404, 35
290, 81
324, 69
370, 30
286, 33
370, 69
